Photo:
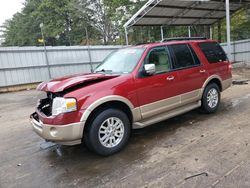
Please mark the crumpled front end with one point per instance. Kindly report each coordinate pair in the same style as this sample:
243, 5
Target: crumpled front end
64, 128
70, 134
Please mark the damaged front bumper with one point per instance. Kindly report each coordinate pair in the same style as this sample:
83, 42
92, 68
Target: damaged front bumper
70, 134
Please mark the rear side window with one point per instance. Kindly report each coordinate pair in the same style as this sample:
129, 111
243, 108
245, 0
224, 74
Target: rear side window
184, 56
213, 52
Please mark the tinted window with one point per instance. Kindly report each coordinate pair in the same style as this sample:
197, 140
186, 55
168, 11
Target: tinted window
159, 57
184, 56
213, 52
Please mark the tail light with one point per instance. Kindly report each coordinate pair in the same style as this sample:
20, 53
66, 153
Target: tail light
230, 66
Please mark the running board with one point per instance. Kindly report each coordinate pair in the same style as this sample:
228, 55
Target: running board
166, 115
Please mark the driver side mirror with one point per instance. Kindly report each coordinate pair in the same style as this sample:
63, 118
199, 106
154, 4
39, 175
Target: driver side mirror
149, 69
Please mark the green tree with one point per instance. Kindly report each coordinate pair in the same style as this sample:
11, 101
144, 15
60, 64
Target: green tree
62, 24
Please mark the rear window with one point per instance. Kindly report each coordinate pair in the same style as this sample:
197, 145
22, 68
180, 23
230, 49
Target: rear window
213, 52
184, 56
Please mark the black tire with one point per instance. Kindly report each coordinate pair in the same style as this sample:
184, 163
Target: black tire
206, 107
91, 134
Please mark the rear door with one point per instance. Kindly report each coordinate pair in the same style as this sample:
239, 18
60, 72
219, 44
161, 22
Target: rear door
191, 72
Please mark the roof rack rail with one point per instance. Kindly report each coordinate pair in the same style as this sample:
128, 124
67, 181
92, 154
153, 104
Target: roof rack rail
144, 43
183, 38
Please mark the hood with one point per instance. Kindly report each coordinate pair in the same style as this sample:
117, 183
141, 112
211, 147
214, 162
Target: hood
63, 83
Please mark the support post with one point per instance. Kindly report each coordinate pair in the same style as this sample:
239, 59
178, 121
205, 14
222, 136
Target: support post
229, 50
45, 51
211, 32
219, 31
126, 35
162, 34
89, 53
189, 31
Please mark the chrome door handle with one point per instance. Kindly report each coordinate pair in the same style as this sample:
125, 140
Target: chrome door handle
202, 71
170, 78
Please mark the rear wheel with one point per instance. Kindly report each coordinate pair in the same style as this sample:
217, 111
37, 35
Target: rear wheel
211, 98
108, 133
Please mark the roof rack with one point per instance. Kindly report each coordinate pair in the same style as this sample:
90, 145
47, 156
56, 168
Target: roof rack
183, 38
144, 43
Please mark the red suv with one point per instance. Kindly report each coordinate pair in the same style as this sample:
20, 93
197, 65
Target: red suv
132, 88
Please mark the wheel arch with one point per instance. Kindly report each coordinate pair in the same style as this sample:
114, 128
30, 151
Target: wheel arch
113, 101
213, 79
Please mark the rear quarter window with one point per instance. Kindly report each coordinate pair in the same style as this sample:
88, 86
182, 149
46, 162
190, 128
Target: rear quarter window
213, 52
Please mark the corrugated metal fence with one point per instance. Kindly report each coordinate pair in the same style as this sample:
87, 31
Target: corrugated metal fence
25, 65
240, 51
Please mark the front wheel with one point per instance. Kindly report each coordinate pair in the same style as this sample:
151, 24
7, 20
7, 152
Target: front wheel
211, 98
108, 133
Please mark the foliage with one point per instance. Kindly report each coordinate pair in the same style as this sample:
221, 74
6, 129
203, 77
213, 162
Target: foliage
68, 22
81, 22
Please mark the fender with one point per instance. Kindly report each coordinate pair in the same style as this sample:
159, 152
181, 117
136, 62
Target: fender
215, 76
87, 112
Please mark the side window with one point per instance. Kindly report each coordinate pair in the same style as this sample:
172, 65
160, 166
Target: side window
213, 52
184, 56
160, 57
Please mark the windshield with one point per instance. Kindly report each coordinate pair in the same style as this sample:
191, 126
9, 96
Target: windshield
121, 61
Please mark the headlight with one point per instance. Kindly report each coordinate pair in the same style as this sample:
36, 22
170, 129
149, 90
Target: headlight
62, 105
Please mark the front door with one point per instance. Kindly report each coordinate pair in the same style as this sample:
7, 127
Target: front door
159, 92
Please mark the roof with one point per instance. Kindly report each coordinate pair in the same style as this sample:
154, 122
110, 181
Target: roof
183, 12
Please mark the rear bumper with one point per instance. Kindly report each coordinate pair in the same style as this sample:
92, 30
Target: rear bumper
70, 134
226, 84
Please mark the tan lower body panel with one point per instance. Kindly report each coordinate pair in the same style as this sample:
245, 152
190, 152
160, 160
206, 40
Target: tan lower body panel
70, 134
162, 106
167, 108
166, 115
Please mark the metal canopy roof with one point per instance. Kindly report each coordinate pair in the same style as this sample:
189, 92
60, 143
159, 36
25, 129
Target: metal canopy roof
181, 12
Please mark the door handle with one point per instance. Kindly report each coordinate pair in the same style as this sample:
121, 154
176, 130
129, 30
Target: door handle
170, 78
202, 71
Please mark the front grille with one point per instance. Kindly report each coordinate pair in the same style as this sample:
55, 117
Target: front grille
45, 106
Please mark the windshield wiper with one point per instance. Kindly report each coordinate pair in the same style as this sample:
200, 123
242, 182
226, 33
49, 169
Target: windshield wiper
103, 70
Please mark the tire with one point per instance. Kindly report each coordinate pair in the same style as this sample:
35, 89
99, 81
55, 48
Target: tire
211, 98
108, 132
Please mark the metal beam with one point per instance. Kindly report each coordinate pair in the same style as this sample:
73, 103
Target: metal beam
137, 25
211, 33
126, 35
229, 50
142, 12
180, 17
183, 8
235, 2
162, 34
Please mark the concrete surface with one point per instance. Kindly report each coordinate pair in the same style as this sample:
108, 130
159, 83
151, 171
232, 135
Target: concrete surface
162, 155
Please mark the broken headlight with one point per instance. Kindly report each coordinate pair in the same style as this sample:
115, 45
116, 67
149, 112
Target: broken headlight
63, 105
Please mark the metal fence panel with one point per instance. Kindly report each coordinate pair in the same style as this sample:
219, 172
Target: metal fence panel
24, 65
240, 50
